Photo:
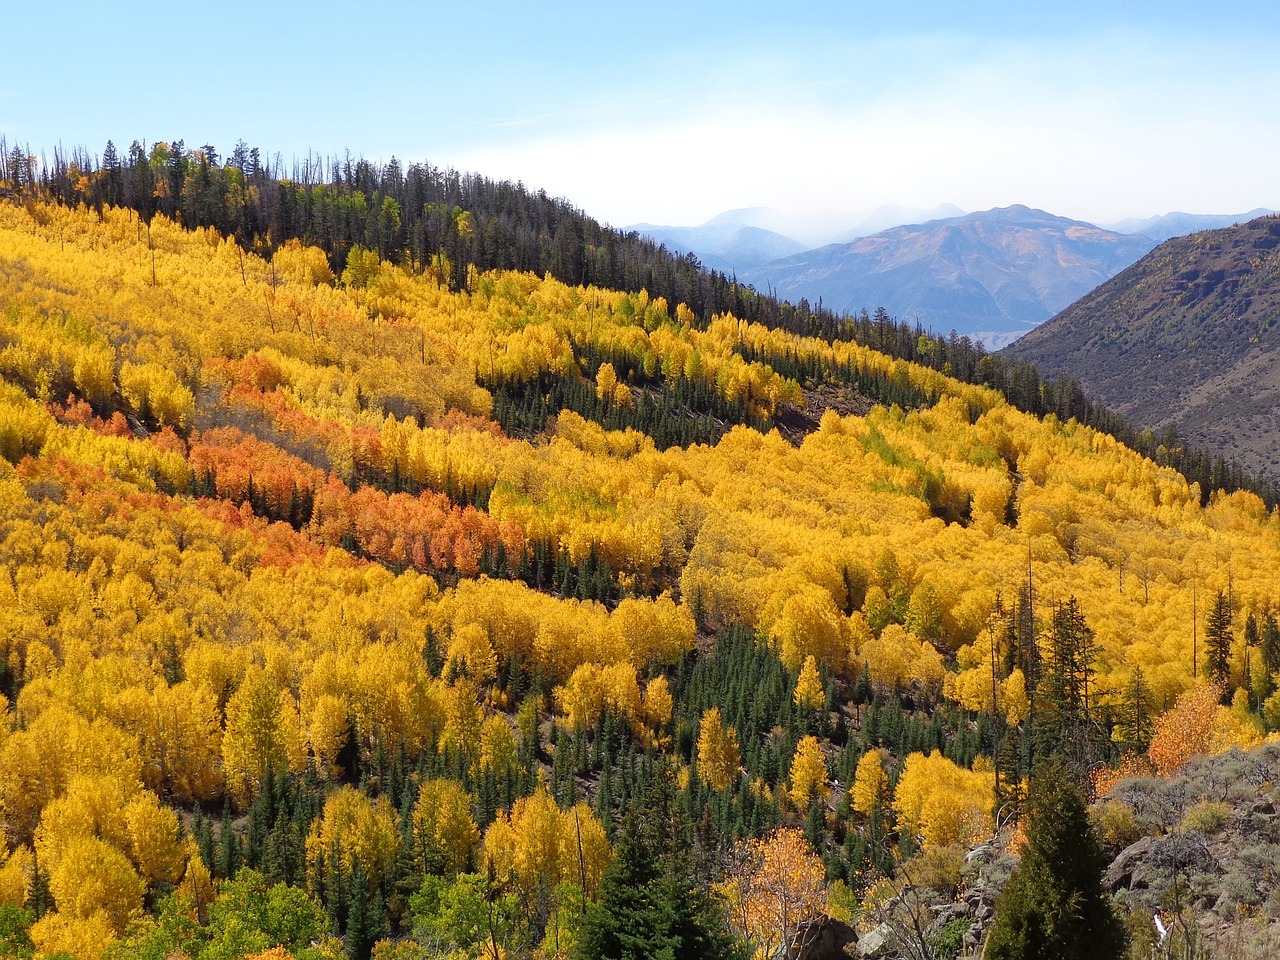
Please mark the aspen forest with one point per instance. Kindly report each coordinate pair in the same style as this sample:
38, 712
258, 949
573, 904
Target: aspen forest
380, 580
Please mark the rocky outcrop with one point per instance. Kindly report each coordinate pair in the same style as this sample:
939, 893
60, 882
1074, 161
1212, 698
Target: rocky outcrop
826, 939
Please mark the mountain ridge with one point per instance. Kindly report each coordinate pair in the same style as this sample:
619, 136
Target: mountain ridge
1184, 338
992, 275
1176, 223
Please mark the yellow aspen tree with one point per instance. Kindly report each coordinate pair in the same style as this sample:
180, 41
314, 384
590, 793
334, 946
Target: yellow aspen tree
588, 851
657, 703
870, 783
84, 938
17, 870
463, 718
258, 735
526, 844
808, 772
153, 843
181, 738
942, 802
775, 885
809, 690
582, 698
91, 876
621, 689
360, 829
808, 624
197, 883
444, 834
469, 653
497, 744
327, 731
718, 756
1186, 729
606, 382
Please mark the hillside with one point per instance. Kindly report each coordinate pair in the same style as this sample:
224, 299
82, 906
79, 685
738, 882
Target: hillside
460, 610
990, 275
422, 218
1185, 338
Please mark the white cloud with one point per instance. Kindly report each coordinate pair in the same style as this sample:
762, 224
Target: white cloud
1099, 128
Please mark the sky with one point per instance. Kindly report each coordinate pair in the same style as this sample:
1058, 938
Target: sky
672, 112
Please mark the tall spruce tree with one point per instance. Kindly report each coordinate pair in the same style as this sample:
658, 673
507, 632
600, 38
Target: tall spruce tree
651, 904
1217, 639
1065, 729
1054, 906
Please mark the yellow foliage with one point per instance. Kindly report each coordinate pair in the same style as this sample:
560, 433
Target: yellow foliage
657, 702
593, 689
262, 731
497, 744
808, 773
327, 731
718, 757
870, 783
942, 802
775, 885
91, 878
17, 873
809, 690
537, 845
470, 652
807, 624
152, 839
84, 938
1198, 724
356, 828
444, 832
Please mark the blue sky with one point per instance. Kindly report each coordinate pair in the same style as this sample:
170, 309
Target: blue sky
671, 112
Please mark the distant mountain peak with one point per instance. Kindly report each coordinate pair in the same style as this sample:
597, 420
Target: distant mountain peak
1177, 223
992, 275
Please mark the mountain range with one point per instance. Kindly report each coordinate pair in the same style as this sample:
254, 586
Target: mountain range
737, 240
991, 275
1177, 224
1189, 336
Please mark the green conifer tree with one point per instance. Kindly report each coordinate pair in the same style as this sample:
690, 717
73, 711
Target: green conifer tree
1217, 639
650, 904
1054, 906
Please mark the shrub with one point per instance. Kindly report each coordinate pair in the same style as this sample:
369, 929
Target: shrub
1207, 817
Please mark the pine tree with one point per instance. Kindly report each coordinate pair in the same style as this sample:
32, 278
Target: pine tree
650, 902
1135, 723
1054, 906
1065, 728
1217, 639
1271, 644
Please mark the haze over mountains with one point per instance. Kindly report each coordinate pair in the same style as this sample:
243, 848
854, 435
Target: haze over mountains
1177, 224
739, 239
1187, 336
992, 275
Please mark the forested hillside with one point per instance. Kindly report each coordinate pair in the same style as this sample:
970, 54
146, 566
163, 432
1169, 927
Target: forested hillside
422, 217
413, 609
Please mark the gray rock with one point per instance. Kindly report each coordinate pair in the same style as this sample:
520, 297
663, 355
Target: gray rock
876, 944
1133, 862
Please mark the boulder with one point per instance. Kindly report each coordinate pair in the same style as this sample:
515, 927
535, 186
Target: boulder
1130, 869
826, 939
876, 944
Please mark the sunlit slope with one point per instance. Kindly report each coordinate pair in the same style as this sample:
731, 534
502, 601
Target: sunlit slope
337, 396
258, 521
